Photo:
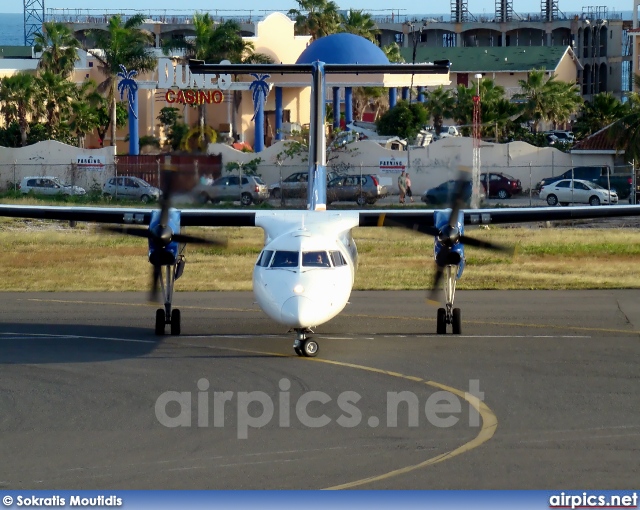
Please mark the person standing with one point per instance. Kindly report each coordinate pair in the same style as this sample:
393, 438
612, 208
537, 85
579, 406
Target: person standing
402, 186
409, 192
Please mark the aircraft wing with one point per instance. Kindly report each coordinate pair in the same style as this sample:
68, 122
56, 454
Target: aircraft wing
420, 218
129, 215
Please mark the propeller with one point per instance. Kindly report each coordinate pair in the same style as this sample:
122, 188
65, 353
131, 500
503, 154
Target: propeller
161, 234
448, 235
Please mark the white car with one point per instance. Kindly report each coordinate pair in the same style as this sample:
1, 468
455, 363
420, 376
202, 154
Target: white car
566, 192
49, 185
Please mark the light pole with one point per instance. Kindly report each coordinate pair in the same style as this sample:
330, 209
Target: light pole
475, 169
414, 40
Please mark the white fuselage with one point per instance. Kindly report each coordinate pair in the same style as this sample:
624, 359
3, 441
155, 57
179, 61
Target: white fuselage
304, 275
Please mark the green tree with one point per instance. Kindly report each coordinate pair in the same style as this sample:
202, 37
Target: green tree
403, 120
316, 18
602, 110
359, 23
548, 99
175, 130
17, 93
440, 104
59, 48
625, 132
122, 44
52, 97
496, 112
392, 52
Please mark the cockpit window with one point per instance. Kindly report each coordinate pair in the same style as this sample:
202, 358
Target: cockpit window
337, 258
264, 258
315, 259
285, 259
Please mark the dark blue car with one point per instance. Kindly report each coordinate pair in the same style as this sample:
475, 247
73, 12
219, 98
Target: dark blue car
442, 194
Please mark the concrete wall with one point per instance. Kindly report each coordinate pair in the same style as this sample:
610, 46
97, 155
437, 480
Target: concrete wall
428, 166
56, 159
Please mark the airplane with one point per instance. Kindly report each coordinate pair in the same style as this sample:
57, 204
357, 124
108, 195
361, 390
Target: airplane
304, 274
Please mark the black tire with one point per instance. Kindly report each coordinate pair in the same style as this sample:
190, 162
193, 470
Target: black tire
430, 200
145, 199
203, 198
276, 193
502, 194
175, 322
594, 201
457, 321
107, 196
246, 199
310, 348
552, 200
160, 322
361, 200
441, 327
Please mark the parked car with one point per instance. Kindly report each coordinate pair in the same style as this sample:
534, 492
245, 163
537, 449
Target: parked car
252, 189
562, 136
363, 189
501, 185
442, 194
49, 185
601, 175
295, 186
578, 191
132, 188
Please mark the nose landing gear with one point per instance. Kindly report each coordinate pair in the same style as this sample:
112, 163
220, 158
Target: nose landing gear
168, 315
304, 346
449, 315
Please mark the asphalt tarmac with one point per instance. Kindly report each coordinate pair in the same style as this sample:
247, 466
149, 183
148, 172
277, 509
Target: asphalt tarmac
539, 392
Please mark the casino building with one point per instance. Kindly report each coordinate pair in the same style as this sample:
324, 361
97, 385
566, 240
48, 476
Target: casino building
228, 101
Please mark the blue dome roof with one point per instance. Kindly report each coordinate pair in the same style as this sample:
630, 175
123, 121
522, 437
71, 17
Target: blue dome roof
343, 49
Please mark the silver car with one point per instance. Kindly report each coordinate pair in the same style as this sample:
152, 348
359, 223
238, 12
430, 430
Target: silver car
252, 189
131, 188
49, 185
362, 189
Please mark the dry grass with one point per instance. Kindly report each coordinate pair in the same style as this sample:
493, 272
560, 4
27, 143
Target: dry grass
44, 256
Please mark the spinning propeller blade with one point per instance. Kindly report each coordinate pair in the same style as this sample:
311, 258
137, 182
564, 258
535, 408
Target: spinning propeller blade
161, 235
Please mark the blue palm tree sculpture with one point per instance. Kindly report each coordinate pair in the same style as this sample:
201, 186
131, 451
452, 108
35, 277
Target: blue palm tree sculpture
260, 89
127, 84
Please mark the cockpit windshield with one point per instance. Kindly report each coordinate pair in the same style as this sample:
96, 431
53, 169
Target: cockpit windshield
315, 259
285, 259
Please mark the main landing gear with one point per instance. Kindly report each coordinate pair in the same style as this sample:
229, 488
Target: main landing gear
449, 315
167, 281
305, 346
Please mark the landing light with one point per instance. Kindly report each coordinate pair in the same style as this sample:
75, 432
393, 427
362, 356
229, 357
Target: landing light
298, 289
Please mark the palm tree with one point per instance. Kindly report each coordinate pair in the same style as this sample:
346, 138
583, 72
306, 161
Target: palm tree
602, 110
52, 96
359, 23
59, 47
17, 93
625, 132
392, 52
495, 110
123, 44
440, 104
316, 17
548, 100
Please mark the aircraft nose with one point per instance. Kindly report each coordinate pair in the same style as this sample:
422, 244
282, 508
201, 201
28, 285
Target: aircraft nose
298, 311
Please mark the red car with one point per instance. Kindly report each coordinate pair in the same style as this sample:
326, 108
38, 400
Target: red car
500, 185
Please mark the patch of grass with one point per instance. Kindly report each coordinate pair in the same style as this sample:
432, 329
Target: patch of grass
50, 256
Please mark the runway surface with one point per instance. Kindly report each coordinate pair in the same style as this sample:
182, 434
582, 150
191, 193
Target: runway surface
84, 402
